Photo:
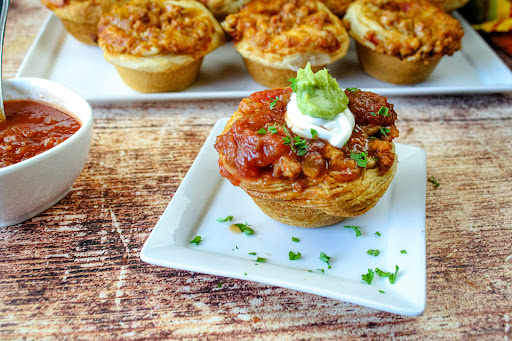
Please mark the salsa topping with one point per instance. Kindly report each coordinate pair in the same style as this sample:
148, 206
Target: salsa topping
248, 154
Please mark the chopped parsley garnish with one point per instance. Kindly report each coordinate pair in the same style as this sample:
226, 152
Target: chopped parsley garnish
382, 292
377, 233
287, 140
352, 89
245, 273
310, 270
385, 131
384, 111
381, 273
360, 158
355, 228
284, 129
245, 228
223, 220
324, 258
252, 253
293, 80
373, 114
295, 239
392, 276
372, 138
274, 102
272, 129
373, 252
219, 285
261, 260
323, 271
300, 144
403, 251
262, 131
294, 256
196, 240
368, 277
433, 181
313, 133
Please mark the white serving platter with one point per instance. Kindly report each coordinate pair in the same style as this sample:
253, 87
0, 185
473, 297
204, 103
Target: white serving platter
57, 56
399, 216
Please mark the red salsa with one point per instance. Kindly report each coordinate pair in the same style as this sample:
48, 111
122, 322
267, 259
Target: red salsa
256, 145
31, 128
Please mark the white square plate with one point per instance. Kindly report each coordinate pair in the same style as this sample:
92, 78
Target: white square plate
205, 195
57, 56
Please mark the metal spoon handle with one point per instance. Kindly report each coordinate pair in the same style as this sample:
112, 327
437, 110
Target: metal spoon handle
3, 19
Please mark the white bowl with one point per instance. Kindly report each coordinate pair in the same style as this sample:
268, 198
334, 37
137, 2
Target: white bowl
29, 187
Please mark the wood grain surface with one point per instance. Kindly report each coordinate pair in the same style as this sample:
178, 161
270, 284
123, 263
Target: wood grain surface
74, 271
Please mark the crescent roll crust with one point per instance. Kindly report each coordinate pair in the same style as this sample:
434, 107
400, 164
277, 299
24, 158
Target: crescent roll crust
411, 30
158, 35
321, 187
221, 8
287, 34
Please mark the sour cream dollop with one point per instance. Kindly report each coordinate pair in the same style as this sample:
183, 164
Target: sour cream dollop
336, 131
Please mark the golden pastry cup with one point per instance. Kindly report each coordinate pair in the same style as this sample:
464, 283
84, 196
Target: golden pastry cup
321, 205
346, 200
150, 82
272, 77
86, 33
392, 69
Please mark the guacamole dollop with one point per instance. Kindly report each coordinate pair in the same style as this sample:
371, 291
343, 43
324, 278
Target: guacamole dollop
318, 94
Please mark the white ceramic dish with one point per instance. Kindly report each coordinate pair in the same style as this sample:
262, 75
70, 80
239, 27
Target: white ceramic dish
205, 196
57, 56
29, 187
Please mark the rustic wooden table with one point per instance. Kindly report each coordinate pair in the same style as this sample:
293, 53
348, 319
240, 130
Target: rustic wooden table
74, 271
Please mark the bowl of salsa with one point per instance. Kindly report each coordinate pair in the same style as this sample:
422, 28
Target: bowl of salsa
44, 144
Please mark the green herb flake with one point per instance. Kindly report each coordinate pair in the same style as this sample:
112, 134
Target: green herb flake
382, 292
223, 220
310, 270
352, 89
245, 273
360, 158
381, 273
384, 111
385, 131
284, 129
295, 239
287, 140
196, 240
392, 277
355, 228
324, 258
372, 113
323, 271
219, 285
373, 252
433, 181
403, 251
368, 277
301, 145
245, 228
313, 133
294, 256
272, 129
293, 80
377, 233
261, 260
274, 102
252, 253
372, 138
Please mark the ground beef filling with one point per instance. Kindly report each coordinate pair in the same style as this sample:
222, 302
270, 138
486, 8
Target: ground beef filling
254, 154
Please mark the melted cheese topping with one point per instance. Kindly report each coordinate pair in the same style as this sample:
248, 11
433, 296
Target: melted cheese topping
336, 131
411, 30
276, 29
